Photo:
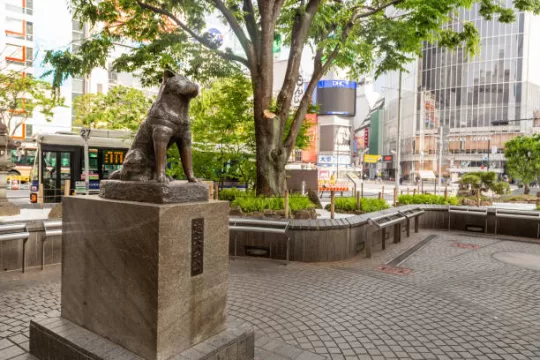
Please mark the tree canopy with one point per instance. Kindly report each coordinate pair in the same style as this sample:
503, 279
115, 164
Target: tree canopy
21, 96
121, 108
223, 132
358, 35
522, 155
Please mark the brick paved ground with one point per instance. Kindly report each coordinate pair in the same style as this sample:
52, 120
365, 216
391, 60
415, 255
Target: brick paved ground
455, 304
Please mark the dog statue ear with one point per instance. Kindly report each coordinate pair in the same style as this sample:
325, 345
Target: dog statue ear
167, 74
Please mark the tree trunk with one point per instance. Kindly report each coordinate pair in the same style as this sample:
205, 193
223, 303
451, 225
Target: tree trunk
526, 189
271, 157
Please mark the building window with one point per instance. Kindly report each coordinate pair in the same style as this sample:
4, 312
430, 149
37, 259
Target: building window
19, 55
29, 130
297, 155
113, 75
19, 29
21, 7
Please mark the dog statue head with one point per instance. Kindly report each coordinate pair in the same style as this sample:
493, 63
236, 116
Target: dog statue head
179, 85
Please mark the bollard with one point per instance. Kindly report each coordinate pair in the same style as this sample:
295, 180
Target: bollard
395, 195
446, 192
332, 206
67, 187
216, 191
211, 190
414, 192
380, 195
286, 204
382, 190
40, 196
358, 202
362, 190
407, 190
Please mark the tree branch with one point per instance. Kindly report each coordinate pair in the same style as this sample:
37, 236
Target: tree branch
299, 34
373, 10
251, 25
206, 43
235, 26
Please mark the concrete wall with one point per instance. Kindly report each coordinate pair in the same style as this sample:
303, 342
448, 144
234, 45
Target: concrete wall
11, 251
334, 240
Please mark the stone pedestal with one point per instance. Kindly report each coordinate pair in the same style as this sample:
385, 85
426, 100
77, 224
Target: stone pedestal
150, 278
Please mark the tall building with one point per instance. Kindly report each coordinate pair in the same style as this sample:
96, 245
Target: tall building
464, 108
27, 29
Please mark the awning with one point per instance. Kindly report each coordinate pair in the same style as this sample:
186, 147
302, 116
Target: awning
426, 174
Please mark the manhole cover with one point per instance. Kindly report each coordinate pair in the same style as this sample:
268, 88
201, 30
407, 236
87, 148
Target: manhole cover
527, 261
394, 270
465, 245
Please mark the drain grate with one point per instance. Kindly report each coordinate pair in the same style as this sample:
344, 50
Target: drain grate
403, 256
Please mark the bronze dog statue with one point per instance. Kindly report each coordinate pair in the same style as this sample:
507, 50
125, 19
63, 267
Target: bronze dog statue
167, 123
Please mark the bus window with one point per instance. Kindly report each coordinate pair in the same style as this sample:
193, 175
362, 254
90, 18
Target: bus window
112, 160
23, 159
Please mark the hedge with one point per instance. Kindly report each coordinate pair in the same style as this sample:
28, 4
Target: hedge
427, 199
348, 204
252, 203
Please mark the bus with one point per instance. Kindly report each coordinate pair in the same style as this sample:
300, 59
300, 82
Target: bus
60, 157
23, 158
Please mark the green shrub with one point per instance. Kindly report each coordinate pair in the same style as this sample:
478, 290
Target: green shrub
348, 204
252, 203
501, 188
427, 199
233, 193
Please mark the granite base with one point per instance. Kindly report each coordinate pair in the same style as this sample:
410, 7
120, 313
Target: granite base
174, 192
60, 339
150, 278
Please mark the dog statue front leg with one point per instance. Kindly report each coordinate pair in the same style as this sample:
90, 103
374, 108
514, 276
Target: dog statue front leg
161, 136
184, 147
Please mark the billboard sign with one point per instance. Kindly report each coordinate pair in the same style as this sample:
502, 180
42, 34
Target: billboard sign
336, 97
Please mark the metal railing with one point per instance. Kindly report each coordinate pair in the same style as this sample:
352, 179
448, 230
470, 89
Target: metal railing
385, 221
410, 214
52, 228
260, 226
518, 214
16, 232
467, 210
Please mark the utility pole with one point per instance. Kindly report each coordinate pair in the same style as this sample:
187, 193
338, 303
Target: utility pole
398, 147
422, 115
440, 153
489, 150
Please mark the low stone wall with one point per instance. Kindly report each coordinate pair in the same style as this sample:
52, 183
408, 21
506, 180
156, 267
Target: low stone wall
340, 239
11, 251
310, 240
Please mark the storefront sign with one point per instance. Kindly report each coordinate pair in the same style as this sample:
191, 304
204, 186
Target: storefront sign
80, 187
388, 158
371, 159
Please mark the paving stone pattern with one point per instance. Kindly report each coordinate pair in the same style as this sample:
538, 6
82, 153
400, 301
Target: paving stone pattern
455, 304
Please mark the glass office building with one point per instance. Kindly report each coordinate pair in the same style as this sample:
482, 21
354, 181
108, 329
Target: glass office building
463, 107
